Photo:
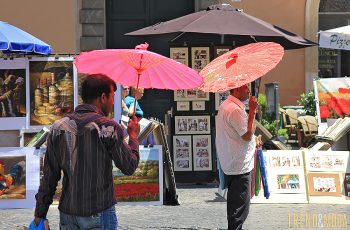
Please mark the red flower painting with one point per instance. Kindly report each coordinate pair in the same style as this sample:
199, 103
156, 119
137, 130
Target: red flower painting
334, 102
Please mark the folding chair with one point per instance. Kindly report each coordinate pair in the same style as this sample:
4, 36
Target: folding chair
309, 124
332, 134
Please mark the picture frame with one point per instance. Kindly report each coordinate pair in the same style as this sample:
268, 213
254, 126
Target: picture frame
200, 57
202, 155
285, 159
145, 186
198, 105
192, 124
182, 147
179, 54
220, 97
326, 161
190, 95
22, 193
183, 106
287, 181
52, 90
13, 107
324, 184
220, 50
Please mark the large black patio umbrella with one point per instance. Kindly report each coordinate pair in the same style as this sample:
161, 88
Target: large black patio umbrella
223, 24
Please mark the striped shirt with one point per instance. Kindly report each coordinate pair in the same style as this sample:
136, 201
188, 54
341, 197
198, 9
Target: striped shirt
83, 145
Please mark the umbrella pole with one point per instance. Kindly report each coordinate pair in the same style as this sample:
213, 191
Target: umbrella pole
136, 92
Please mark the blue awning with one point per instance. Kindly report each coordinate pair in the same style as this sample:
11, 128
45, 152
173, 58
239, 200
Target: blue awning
15, 40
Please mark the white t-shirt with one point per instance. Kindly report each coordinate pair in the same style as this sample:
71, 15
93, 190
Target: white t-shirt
235, 154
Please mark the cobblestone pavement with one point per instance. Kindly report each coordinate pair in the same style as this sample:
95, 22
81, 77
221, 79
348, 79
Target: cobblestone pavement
201, 208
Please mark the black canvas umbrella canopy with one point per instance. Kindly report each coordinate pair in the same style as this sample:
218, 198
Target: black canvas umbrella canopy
225, 25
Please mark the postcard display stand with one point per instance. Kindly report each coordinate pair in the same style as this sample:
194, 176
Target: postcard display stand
296, 176
194, 133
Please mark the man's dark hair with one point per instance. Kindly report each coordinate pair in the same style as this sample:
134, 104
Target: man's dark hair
94, 85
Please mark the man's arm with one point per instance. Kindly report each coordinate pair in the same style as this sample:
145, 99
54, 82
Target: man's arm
126, 156
52, 174
251, 117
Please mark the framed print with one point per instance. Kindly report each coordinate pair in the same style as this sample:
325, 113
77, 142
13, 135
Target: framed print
192, 124
183, 106
22, 165
326, 161
202, 159
51, 89
220, 97
200, 57
324, 184
182, 153
179, 54
220, 50
347, 185
145, 186
190, 95
13, 81
285, 159
287, 181
198, 105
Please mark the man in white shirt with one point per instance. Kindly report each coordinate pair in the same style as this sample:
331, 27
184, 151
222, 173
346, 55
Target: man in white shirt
235, 144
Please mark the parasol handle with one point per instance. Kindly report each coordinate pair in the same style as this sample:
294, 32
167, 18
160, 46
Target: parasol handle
136, 93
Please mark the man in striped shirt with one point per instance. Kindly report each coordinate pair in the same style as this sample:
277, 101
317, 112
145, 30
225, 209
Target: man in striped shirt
83, 145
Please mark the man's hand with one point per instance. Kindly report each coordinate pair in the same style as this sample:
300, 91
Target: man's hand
253, 104
133, 128
258, 141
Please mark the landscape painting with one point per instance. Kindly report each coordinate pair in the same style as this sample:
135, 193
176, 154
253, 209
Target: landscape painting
146, 184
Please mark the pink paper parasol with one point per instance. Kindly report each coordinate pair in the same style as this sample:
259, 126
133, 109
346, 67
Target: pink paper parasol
138, 68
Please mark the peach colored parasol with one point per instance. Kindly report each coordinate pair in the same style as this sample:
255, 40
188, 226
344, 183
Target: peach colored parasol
240, 66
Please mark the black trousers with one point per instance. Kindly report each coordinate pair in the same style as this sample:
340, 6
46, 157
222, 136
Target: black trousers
238, 199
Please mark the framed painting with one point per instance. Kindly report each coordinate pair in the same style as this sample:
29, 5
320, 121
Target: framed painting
220, 97
220, 50
179, 54
202, 157
287, 181
182, 153
19, 177
285, 159
200, 57
324, 184
198, 105
13, 98
145, 186
183, 106
192, 124
332, 98
51, 89
329, 161
190, 95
